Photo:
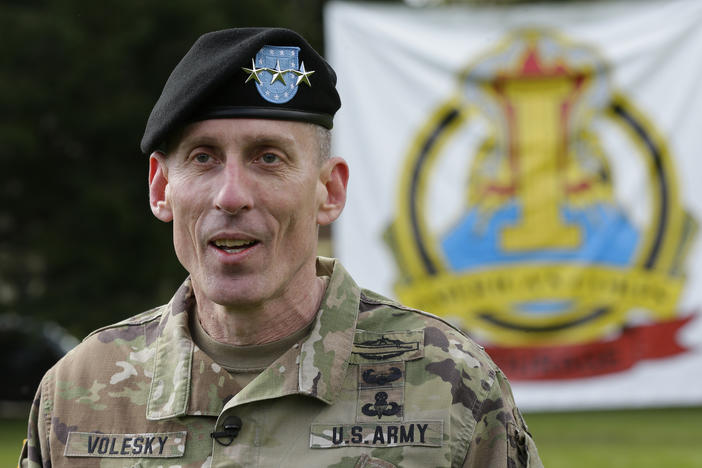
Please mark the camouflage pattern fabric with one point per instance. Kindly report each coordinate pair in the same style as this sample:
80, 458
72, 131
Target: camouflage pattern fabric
375, 384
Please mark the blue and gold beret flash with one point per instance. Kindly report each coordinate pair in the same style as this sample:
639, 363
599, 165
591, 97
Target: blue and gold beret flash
268, 73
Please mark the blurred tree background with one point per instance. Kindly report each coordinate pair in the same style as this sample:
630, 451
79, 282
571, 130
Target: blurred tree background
78, 243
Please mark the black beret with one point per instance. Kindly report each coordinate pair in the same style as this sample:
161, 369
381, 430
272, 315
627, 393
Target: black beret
269, 73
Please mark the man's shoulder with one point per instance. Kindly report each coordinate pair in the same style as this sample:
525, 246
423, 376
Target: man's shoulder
125, 328
443, 342
111, 367
382, 311
116, 342
442, 366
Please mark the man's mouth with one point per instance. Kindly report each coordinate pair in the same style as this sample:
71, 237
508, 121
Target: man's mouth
233, 245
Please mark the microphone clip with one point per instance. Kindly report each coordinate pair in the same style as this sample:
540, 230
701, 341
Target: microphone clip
231, 428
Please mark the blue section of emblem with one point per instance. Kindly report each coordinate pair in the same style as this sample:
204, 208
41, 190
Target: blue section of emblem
543, 308
609, 238
278, 80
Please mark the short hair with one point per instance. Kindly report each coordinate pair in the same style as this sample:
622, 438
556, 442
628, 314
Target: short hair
324, 141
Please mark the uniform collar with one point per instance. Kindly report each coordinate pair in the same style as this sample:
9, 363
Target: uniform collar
170, 384
325, 354
321, 359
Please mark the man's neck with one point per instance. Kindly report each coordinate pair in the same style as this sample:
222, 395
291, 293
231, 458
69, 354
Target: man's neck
263, 324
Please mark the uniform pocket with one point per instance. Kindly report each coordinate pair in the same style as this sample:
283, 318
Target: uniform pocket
517, 451
366, 461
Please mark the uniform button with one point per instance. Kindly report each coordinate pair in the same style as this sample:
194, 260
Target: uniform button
230, 429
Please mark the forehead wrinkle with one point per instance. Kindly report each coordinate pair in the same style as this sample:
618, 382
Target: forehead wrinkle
221, 137
200, 140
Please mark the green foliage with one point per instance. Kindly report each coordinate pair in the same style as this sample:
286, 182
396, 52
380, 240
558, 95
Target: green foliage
78, 243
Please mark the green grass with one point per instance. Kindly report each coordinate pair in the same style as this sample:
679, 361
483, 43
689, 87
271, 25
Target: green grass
654, 438
659, 438
12, 433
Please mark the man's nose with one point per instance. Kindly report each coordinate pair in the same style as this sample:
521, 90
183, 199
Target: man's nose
234, 191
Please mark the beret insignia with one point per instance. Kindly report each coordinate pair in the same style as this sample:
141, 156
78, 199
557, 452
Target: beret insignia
277, 74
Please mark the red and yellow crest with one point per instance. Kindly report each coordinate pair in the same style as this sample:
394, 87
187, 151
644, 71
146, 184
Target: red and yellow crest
539, 210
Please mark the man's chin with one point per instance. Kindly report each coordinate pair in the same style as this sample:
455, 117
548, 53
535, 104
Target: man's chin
230, 292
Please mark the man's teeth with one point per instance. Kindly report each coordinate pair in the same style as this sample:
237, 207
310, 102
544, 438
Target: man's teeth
232, 244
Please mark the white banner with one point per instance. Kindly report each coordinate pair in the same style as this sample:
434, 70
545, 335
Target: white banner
532, 173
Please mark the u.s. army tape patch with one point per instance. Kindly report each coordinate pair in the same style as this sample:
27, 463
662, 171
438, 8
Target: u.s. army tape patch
420, 433
149, 445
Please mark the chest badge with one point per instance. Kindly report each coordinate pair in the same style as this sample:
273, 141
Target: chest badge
373, 347
381, 407
381, 392
373, 377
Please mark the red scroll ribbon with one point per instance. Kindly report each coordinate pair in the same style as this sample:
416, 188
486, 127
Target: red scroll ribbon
564, 362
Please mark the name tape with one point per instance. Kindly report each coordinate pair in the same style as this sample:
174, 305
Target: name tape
149, 445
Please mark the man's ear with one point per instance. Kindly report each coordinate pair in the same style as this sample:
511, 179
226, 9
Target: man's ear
334, 177
158, 187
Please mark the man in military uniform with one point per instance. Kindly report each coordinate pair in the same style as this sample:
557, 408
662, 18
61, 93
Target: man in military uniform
266, 355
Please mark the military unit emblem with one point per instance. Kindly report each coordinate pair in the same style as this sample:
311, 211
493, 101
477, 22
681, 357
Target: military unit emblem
276, 72
538, 245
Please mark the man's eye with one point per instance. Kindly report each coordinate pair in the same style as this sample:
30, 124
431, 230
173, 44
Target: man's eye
269, 158
202, 158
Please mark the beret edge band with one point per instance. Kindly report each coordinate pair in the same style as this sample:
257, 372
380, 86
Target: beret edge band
325, 120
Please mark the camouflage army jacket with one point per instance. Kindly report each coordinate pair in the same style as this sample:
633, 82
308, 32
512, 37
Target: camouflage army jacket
375, 384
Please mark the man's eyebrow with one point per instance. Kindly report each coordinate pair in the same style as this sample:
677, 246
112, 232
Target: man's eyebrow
267, 139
